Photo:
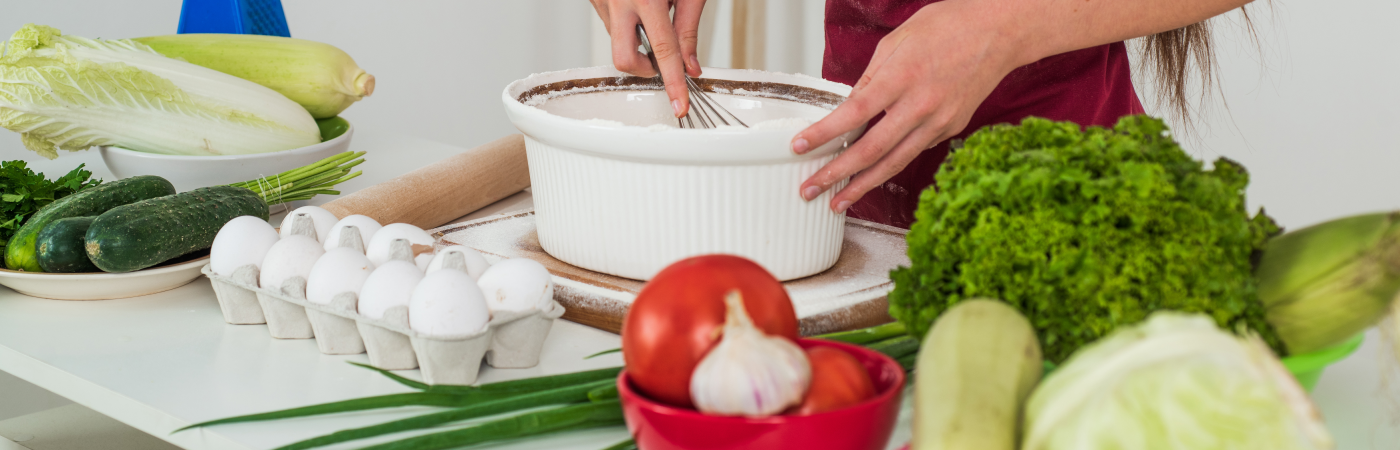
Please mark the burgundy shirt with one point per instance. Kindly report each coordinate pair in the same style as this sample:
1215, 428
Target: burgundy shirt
1092, 86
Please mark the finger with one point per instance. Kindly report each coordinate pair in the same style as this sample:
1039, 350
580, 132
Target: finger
883, 50
601, 8
865, 153
854, 112
687, 20
890, 165
623, 29
666, 47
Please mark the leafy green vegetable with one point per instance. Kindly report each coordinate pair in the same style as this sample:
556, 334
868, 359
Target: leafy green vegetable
71, 93
23, 192
1084, 231
1174, 382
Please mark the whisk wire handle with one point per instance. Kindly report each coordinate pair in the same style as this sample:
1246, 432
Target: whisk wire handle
699, 100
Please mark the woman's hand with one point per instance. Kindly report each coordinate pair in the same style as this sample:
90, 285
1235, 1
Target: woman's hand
673, 45
927, 76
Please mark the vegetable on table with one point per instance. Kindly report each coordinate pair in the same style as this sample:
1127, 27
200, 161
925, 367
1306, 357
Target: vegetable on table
21, 253
749, 373
978, 365
1175, 381
318, 76
26, 192
486, 402
71, 93
1326, 283
142, 234
676, 319
1084, 231
60, 247
838, 381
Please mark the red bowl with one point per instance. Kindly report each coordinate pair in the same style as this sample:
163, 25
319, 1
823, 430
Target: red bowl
864, 426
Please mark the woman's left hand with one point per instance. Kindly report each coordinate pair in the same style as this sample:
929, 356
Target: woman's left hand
928, 76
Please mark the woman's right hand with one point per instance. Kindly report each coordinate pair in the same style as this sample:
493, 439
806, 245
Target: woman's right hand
673, 44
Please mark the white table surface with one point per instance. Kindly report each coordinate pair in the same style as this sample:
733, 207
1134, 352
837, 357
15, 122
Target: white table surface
167, 360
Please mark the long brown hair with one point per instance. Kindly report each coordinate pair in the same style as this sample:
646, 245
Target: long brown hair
1169, 57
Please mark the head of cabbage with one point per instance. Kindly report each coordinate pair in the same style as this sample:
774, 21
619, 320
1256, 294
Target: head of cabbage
1175, 381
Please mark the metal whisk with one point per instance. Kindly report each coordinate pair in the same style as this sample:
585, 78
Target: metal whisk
699, 100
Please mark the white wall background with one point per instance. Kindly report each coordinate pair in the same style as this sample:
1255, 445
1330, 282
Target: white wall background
1314, 115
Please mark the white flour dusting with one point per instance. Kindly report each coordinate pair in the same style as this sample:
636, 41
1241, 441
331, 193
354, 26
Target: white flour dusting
870, 251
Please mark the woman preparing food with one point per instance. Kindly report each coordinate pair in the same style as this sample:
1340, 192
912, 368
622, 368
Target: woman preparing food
928, 71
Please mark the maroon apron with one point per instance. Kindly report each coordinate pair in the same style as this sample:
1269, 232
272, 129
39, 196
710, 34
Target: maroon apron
1092, 86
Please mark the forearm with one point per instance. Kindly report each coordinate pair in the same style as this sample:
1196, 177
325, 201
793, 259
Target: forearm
1029, 30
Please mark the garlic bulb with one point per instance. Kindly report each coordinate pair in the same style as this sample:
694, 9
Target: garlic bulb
749, 373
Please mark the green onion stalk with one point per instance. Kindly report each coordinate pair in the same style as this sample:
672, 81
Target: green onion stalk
305, 182
518, 408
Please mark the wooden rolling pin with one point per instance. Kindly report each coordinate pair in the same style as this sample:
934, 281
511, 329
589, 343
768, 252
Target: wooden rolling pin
445, 190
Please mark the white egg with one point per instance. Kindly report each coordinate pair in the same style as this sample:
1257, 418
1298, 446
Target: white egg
447, 303
476, 264
423, 260
290, 257
321, 221
381, 246
388, 286
240, 242
366, 225
339, 270
517, 284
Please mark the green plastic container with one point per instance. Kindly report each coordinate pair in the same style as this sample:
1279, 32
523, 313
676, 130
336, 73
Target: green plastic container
1307, 367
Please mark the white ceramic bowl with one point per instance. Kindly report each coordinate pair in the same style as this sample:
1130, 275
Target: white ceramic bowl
189, 172
617, 196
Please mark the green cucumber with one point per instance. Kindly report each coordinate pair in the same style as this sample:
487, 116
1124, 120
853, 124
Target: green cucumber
20, 252
61, 249
146, 233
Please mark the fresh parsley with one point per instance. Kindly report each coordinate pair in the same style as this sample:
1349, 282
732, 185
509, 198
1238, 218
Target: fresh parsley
23, 193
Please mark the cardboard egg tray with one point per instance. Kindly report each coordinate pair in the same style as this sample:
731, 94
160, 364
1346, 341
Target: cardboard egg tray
511, 339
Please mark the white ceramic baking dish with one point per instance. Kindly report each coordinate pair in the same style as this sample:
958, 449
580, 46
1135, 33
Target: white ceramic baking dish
618, 194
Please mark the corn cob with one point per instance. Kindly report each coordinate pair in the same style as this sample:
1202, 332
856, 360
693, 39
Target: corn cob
320, 77
1326, 283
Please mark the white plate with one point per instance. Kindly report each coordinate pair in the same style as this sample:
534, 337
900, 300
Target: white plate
103, 286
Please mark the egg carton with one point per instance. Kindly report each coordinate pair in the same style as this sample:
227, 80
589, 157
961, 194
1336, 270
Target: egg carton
511, 339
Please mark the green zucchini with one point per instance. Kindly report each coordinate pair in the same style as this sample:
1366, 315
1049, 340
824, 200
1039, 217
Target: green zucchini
146, 233
60, 246
20, 252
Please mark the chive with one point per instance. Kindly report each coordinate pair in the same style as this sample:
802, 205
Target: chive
908, 361
629, 444
602, 393
524, 385
897, 347
574, 417
568, 394
549, 382
305, 182
868, 335
393, 376
604, 352
359, 404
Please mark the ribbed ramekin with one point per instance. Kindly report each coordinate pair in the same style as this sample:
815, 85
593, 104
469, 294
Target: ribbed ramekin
628, 201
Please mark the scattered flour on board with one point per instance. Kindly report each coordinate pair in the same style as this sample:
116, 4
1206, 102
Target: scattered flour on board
838, 289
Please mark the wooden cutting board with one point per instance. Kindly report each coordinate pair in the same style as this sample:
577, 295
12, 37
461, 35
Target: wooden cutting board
850, 295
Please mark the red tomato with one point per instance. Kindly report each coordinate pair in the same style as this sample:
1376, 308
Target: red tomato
678, 317
838, 381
